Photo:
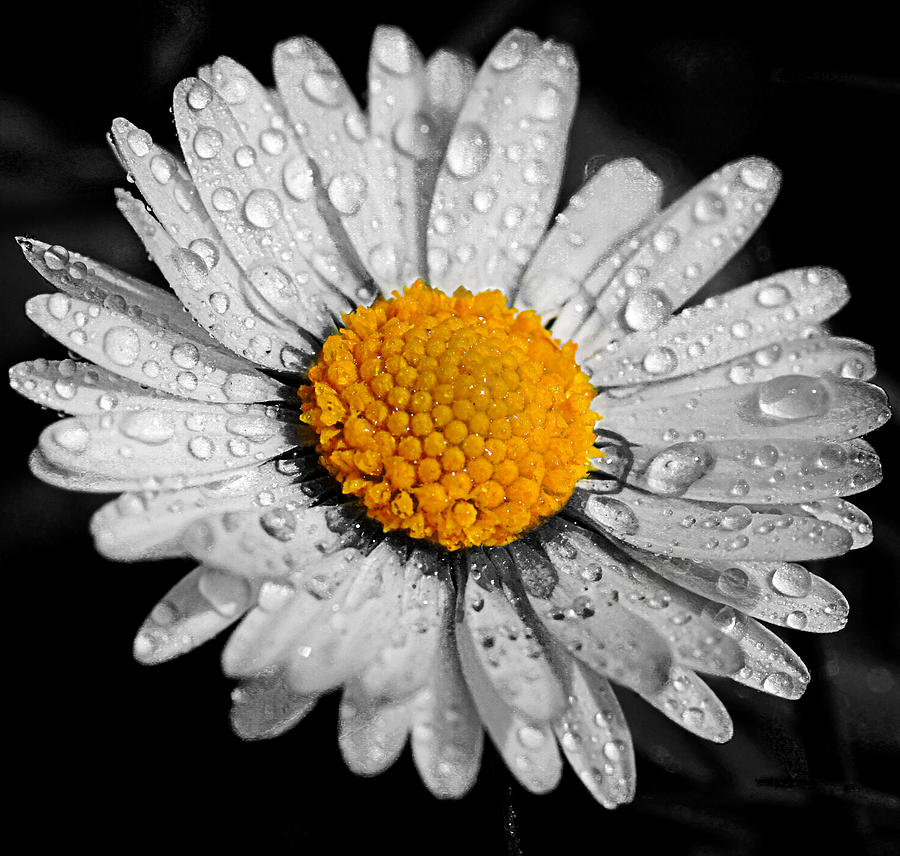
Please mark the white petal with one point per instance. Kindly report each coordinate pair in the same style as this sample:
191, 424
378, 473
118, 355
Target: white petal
770, 665
402, 663
446, 732
140, 526
605, 211
816, 356
528, 750
508, 650
145, 349
690, 703
279, 157
497, 187
371, 734
158, 449
218, 295
584, 615
776, 592
89, 280
357, 168
265, 706
84, 389
595, 738
679, 251
841, 513
752, 471
732, 325
788, 407
342, 640
678, 527
448, 79
281, 539
203, 604
285, 607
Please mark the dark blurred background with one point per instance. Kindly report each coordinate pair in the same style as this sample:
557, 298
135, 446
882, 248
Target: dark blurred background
117, 756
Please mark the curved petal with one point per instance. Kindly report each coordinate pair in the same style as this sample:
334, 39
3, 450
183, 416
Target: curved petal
200, 606
497, 186
145, 349
725, 327
677, 253
690, 703
595, 738
790, 407
678, 527
265, 706
446, 732
615, 202
156, 449
756, 471
371, 734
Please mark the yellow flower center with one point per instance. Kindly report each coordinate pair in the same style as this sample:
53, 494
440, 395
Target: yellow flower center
457, 418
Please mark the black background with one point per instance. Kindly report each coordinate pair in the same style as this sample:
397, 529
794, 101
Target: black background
112, 755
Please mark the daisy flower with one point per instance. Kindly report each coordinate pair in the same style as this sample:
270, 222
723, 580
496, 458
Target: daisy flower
469, 468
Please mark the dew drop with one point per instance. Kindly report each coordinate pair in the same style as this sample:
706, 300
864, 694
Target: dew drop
279, 523
661, 360
673, 470
347, 192
324, 87
792, 580
468, 151
122, 345
647, 309
709, 208
262, 208
793, 397
298, 179
780, 684
773, 295
207, 143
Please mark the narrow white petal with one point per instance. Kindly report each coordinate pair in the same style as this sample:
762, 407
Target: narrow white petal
781, 593
497, 186
285, 608
159, 449
751, 471
362, 170
814, 355
407, 654
88, 280
584, 615
678, 252
265, 706
509, 651
277, 154
844, 514
446, 732
84, 389
528, 750
290, 536
371, 734
218, 295
770, 665
202, 605
788, 407
141, 525
678, 527
603, 213
690, 703
145, 349
448, 79
595, 738
726, 327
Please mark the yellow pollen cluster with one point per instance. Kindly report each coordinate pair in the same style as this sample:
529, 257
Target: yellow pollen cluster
456, 418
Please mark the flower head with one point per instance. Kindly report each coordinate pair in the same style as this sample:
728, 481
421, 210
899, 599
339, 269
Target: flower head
376, 427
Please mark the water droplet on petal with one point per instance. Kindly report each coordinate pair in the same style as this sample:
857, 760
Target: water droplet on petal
709, 208
673, 470
659, 361
647, 309
773, 295
262, 208
207, 143
468, 151
298, 178
792, 580
347, 192
794, 397
122, 345
324, 87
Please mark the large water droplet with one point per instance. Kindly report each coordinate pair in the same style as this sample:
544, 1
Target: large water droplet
347, 192
773, 295
149, 426
324, 87
122, 345
298, 178
780, 684
393, 52
792, 580
612, 514
227, 594
207, 143
659, 361
647, 309
262, 208
673, 470
279, 523
709, 208
508, 54
469, 150
794, 397
414, 135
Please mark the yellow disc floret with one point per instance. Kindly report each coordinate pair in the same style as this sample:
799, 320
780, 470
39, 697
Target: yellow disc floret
457, 418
